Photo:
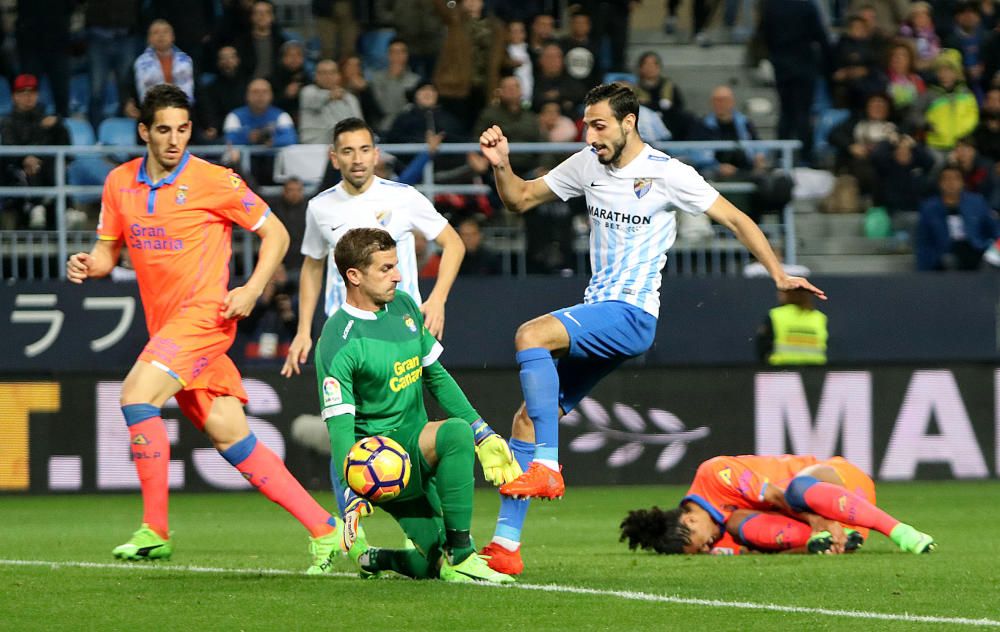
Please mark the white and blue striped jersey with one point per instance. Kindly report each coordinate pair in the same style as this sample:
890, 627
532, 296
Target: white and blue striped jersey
397, 208
632, 214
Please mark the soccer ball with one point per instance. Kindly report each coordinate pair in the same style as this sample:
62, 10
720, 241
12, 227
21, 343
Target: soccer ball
377, 468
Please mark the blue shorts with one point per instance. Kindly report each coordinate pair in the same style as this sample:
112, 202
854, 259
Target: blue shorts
601, 337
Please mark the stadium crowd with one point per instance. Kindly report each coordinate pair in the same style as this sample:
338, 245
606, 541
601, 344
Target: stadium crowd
905, 90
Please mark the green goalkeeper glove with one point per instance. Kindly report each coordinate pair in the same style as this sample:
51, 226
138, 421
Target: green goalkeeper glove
494, 454
356, 509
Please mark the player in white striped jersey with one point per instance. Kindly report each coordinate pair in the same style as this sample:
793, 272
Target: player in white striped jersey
633, 194
363, 200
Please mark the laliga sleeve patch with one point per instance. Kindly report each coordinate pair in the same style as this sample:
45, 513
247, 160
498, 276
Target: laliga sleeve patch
331, 392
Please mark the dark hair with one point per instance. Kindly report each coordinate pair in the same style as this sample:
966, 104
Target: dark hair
951, 167
969, 141
397, 40
655, 529
352, 124
356, 247
622, 99
159, 98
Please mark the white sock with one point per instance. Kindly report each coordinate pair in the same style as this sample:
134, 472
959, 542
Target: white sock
507, 543
549, 463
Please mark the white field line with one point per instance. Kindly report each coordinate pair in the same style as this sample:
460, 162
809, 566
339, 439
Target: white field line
575, 590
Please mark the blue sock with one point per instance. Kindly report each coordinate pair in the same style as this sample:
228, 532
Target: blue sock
510, 520
540, 385
338, 491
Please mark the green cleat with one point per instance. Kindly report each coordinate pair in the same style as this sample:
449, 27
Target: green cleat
144, 544
821, 542
324, 550
912, 541
360, 554
472, 569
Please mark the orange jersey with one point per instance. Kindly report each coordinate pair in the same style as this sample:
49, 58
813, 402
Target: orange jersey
726, 483
179, 232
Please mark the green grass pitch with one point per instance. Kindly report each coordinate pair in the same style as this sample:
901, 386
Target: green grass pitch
570, 545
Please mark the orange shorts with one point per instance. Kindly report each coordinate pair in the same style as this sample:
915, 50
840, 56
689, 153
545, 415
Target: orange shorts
199, 362
855, 481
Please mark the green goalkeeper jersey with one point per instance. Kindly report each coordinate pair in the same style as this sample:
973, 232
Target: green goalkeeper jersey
372, 367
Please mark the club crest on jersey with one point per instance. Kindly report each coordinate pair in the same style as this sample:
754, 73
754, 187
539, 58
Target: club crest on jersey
181, 196
383, 217
235, 180
641, 186
331, 392
410, 324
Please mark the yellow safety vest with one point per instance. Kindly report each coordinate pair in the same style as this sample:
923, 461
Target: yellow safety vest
799, 336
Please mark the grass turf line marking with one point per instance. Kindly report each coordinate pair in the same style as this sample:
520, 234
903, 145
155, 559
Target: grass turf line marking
576, 590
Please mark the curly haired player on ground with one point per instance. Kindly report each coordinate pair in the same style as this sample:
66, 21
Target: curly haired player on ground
175, 214
821, 496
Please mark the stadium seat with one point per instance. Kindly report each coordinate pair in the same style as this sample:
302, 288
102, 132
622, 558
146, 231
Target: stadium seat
117, 131
45, 96
6, 102
81, 133
373, 46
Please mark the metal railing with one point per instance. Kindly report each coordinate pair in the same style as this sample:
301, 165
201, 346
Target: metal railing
29, 254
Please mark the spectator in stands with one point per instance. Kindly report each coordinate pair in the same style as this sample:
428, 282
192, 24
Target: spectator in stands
337, 28
353, 78
967, 36
857, 137
949, 108
977, 170
472, 54
424, 115
223, 95
260, 47
260, 123
554, 126
919, 28
856, 67
987, 134
798, 48
290, 77
903, 170
112, 44
290, 207
420, 28
553, 83
391, 85
955, 227
194, 21
543, 31
324, 103
659, 93
161, 62
519, 124
883, 16
581, 51
42, 34
28, 124
905, 85
479, 259
519, 56
881, 34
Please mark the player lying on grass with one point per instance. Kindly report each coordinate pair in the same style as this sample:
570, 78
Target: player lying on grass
175, 214
373, 359
825, 495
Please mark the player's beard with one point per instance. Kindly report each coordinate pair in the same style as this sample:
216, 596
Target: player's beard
358, 181
618, 147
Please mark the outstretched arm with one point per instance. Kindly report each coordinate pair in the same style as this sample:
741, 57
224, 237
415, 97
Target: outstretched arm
750, 235
452, 253
518, 195
97, 263
273, 243
310, 284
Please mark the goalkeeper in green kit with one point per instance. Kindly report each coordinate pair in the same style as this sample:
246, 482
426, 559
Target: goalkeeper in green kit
372, 361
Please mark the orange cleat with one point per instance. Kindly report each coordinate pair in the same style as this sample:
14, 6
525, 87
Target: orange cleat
503, 560
538, 482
